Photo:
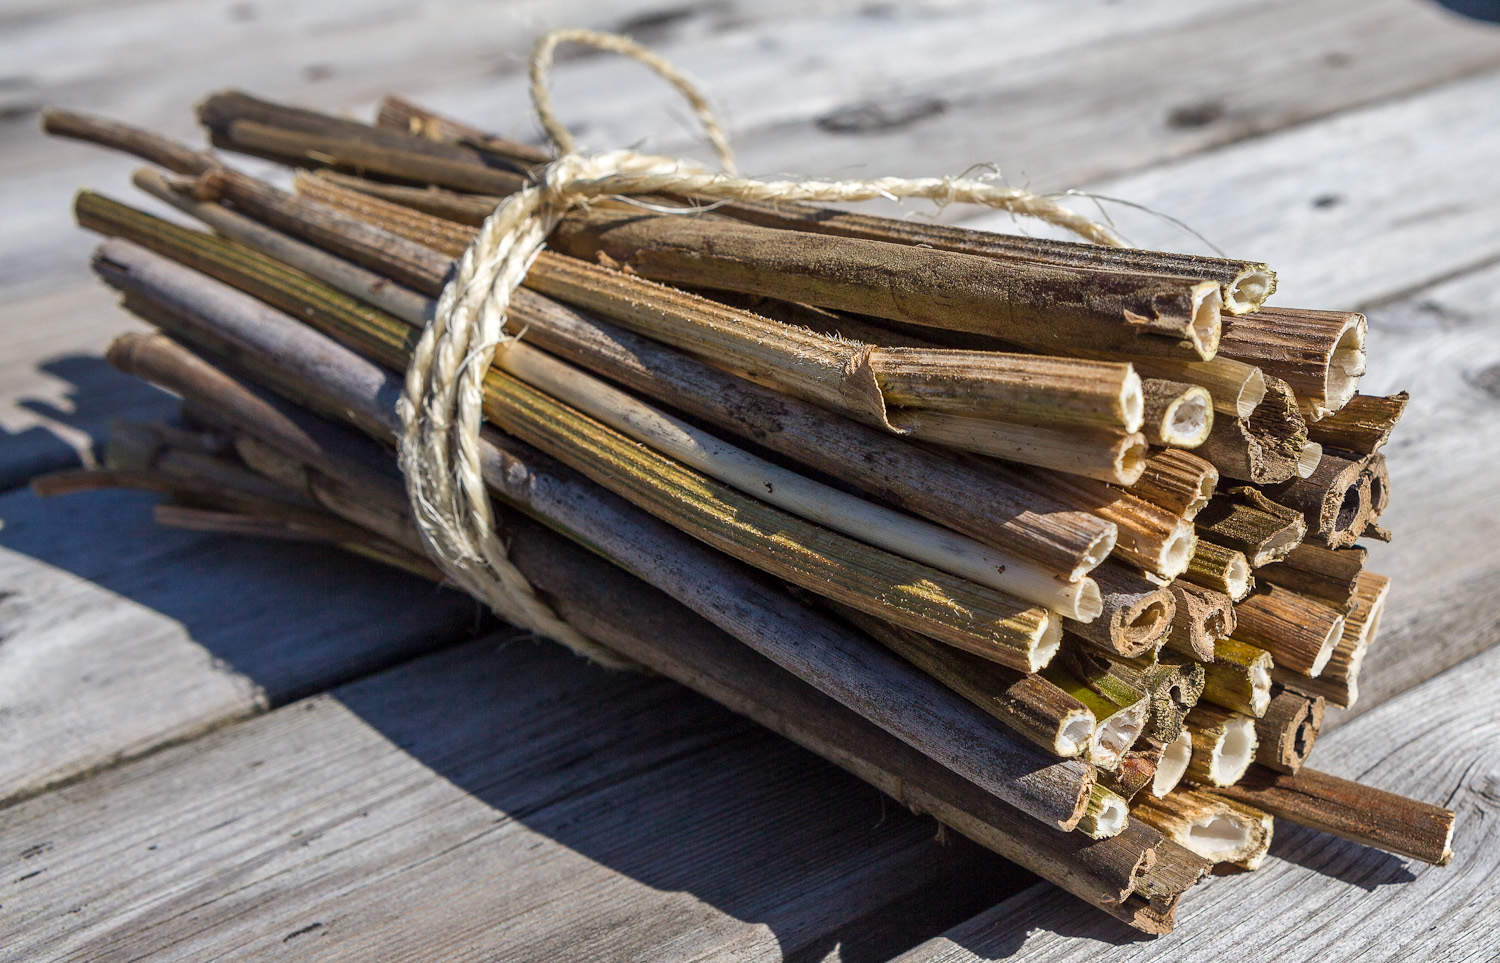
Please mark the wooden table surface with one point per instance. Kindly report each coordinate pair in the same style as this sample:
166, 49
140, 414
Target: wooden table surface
220, 749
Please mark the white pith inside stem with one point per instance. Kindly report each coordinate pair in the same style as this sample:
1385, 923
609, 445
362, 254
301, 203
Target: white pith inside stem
1233, 753
1174, 763
1075, 734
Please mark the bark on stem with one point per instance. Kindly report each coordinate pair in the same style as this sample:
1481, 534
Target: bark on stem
815, 647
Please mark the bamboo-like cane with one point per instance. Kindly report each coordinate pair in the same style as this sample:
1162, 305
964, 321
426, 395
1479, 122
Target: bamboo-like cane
1202, 618
1202, 822
1246, 520
984, 505
1321, 354
1363, 425
1325, 573
1264, 447
1237, 388
1239, 677
911, 706
1180, 482
1338, 683
1174, 687
1177, 415
1335, 499
1118, 724
1364, 814
657, 631
1106, 816
953, 291
1029, 704
1220, 569
1299, 632
1224, 745
1135, 616
1288, 730
1173, 765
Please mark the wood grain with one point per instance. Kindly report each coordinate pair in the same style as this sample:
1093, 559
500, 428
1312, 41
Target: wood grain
120, 636
508, 800
1317, 897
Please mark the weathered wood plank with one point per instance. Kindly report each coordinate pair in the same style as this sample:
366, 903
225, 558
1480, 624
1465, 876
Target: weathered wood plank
1357, 209
505, 801
118, 636
1317, 897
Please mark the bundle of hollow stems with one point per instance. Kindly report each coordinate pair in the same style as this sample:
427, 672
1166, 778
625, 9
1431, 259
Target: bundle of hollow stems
1052, 541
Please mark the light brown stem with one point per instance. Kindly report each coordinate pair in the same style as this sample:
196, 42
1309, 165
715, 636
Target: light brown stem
1239, 677
1299, 632
1220, 569
1177, 415
1177, 481
1321, 354
1224, 745
1264, 447
1363, 425
1288, 730
1247, 521
1202, 618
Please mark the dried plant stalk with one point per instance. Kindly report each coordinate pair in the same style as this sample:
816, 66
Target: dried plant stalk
705, 509
1220, 569
1325, 573
1135, 613
1338, 683
955, 291
1335, 499
1368, 816
1239, 677
1288, 730
1299, 632
1202, 822
1224, 745
1117, 725
1106, 815
1110, 456
1029, 704
1308, 461
1264, 447
342, 381
1172, 766
1148, 536
1237, 388
1363, 425
900, 534
1321, 354
982, 504
1246, 520
1177, 415
1264, 832
1202, 618
1177, 481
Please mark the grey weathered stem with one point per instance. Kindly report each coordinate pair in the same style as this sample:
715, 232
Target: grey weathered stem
815, 647
630, 617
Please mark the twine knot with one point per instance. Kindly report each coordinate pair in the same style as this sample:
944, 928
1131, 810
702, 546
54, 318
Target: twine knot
441, 407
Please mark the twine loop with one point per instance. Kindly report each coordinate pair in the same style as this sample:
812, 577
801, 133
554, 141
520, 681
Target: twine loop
442, 406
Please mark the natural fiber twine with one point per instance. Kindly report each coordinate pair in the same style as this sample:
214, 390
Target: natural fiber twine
441, 409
